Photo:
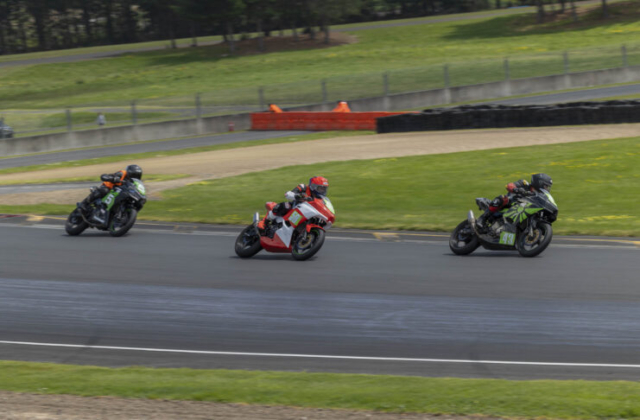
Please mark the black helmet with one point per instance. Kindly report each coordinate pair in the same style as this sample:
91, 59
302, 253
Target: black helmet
134, 171
541, 182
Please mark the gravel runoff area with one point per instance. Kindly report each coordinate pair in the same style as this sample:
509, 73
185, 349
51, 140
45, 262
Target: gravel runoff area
15, 406
232, 162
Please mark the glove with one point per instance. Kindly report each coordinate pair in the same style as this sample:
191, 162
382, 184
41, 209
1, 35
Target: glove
290, 196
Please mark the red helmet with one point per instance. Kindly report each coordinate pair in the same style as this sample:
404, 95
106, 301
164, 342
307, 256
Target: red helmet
319, 186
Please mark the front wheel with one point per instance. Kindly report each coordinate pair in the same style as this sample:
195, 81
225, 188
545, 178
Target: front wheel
306, 246
75, 223
121, 221
463, 240
530, 245
248, 243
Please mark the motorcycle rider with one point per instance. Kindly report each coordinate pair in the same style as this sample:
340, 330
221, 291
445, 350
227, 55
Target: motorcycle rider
317, 188
522, 187
108, 182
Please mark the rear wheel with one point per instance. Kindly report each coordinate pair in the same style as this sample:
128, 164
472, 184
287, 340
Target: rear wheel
122, 221
248, 243
306, 246
533, 244
75, 224
463, 240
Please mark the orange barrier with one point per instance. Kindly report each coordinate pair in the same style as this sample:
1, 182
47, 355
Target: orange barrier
317, 121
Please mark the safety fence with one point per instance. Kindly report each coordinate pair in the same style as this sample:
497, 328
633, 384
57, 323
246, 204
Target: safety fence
27, 122
503, 116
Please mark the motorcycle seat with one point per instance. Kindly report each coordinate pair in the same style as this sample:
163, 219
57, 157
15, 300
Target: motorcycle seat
270, 205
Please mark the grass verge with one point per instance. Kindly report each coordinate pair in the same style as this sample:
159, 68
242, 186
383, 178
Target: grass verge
596, 188
145, 155
491, 397
474, 48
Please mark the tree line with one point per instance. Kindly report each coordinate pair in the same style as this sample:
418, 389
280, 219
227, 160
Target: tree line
39, 25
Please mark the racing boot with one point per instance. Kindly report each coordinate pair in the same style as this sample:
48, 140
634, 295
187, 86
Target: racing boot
85, 205
270, 224
267, 221
100, 215
480, 222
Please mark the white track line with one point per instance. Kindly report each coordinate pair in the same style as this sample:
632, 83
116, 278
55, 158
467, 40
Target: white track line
329, 238
317, 356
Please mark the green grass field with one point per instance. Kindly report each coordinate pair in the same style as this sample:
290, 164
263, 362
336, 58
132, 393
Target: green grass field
521, 399
186, 42
181, 73
596, 188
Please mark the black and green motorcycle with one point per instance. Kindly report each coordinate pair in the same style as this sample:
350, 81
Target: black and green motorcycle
116, 212
525, 226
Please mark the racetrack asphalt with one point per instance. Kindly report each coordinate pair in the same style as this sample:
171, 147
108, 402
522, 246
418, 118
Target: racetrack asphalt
369, 302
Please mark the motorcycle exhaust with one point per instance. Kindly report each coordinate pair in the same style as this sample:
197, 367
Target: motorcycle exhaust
256, 220
472, 221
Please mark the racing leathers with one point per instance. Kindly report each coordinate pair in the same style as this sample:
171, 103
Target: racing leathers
502, 201
300, 193
108, 182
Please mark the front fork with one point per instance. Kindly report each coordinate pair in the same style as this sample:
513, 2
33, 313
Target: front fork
304, 233
531, 225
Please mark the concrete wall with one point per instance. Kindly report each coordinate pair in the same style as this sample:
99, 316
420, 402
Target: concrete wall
397, 102
119, 135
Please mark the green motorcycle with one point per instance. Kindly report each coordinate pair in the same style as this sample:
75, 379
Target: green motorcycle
116, 212
525, 226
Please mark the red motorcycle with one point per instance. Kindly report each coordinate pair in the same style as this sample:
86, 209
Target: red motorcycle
300, 232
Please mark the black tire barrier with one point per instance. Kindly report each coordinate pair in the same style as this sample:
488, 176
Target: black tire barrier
504, 116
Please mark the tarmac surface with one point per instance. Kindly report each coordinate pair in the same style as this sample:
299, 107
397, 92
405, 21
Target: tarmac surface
173, 295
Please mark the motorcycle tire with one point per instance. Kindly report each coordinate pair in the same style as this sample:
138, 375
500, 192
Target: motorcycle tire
471, 245
248, 243
310, 250
125, 228
547, 231
75, 224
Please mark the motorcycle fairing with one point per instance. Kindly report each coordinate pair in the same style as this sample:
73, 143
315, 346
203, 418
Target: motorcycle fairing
286, 231
281, 241
275, 244
140, 187
295, 217
507, 238
519, 212
110, 199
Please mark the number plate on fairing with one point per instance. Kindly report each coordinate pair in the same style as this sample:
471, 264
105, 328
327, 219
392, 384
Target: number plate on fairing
295, 218
507, 238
